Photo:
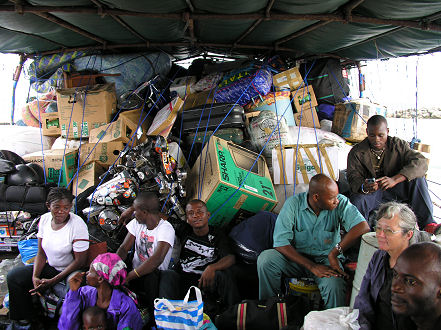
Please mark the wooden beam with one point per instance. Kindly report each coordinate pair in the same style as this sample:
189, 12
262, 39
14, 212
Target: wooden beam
255, 24
160, 44
370, 39
71, 27
34, 36
347, 8
121, 22
419, 24
269, 7
247, 32
254, 16
302, 32
190, 5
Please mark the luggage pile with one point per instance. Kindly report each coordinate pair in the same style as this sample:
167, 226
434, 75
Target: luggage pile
245, 132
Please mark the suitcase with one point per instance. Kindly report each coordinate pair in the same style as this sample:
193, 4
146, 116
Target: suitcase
217, 112
230, 134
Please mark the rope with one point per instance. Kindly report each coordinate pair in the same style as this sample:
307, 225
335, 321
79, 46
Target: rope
133, 135
252, 166
105, 131
280, 143
70, 121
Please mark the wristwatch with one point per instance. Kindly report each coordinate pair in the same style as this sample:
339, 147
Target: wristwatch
339, 249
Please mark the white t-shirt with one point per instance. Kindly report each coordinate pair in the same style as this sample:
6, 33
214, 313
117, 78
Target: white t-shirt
147, 240
57, 244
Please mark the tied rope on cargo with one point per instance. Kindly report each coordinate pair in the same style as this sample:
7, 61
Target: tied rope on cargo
42, 151
132, 136
215, 130
347, 127
415, 118
305, 89
179, 146
81, 131
280, 140
249, 171
99, 139
139, 124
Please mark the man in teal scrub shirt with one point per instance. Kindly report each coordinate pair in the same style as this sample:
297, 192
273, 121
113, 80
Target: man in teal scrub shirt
307, 241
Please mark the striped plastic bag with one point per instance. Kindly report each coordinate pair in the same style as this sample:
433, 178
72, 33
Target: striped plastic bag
180, 314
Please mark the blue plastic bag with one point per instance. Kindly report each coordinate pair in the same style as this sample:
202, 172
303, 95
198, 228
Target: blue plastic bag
28, 250
243, 85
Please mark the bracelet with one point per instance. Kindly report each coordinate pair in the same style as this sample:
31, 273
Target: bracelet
134, 269
362, 189
339, 249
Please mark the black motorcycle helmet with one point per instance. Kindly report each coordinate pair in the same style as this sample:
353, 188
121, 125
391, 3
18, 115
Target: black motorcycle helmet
6, 167
11, 156
39, 170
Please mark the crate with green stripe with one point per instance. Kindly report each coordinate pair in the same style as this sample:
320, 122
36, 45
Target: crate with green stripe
305, 163
217, 174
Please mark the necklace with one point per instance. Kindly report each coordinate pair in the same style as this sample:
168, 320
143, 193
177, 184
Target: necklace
378, 153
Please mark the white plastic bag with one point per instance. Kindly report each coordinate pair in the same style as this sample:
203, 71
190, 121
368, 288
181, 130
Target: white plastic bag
339, 318
262, 126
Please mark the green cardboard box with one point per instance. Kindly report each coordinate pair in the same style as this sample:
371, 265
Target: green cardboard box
222, 169
53, 163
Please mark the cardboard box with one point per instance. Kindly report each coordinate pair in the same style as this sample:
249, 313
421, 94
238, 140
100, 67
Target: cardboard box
309, 163
308, 118
288, 80
53, 160
304, 98
104, 153
226, 166
121, 129
348, 122
165, 118
88, 176
138, 116
50, 124
98, 103
198, 99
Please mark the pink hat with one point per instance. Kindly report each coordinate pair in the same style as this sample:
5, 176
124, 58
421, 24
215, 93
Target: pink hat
110, 267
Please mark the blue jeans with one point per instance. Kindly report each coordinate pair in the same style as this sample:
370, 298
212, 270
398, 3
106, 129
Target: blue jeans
415, 193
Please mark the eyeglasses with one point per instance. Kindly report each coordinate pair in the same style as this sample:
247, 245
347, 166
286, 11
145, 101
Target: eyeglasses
386, 231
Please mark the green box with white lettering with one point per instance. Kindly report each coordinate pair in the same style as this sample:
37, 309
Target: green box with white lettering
56, 161
221, 177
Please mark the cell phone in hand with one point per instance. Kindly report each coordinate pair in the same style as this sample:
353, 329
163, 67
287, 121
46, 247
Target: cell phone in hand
370, 180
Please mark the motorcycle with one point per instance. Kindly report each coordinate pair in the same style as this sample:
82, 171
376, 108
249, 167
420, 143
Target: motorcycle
145, 167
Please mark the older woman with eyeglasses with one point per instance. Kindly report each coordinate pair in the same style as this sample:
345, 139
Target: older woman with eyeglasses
396, 229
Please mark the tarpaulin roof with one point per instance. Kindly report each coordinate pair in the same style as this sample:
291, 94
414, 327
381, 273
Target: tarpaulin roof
354, 29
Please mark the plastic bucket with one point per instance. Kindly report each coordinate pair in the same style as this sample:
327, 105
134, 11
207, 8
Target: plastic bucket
368, 246
281, 105
307, 287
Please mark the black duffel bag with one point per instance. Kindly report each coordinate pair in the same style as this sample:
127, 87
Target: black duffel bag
274, 313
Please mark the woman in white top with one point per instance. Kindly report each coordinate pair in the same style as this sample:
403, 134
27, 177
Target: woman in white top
57, 256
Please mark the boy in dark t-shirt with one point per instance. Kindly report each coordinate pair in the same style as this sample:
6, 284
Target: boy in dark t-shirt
205, 258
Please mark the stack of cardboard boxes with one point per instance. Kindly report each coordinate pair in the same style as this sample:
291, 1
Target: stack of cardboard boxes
303, 97
85, 113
